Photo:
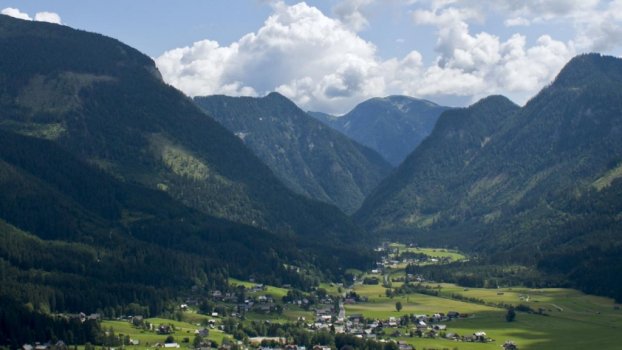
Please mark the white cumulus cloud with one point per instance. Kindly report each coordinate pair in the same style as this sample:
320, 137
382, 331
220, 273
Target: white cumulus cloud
480, 64
50, 17
597, 24
43, 16
315, 60
323, 64
516, 21
351, 12
13, 12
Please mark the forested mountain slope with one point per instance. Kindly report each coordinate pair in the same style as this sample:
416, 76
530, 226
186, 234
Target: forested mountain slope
116, 189
105, 103
533, 184
307, 156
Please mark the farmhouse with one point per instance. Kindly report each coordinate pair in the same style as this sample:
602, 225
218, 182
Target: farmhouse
164, 329
480, 337
202, 332
258, 340
321, 347
404, 346
452, 336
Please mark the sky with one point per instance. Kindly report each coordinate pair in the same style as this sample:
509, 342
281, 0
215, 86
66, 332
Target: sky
329, 55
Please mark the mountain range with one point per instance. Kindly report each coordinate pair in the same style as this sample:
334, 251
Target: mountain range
393, 126
308, 157
115, 188
120, 189
533, 184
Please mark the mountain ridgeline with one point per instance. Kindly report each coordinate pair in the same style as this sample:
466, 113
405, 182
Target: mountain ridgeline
310, 158
119, 193
100, 241
392, 126
104, 102
538, 184
120, 190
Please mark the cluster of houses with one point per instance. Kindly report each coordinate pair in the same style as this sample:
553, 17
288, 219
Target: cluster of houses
426, 326
262, 303
327, 318
408, 278
59, 345
82, 317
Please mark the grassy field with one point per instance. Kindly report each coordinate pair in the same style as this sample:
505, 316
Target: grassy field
149, 338
275, 292
438, 253
146, 338
331, 288
576, 320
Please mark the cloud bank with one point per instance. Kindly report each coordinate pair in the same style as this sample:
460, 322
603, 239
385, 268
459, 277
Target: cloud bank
44, 16
322, 63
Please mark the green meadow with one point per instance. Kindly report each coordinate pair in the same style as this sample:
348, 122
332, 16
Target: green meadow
438, 253
574, 321
276, 292
148, 339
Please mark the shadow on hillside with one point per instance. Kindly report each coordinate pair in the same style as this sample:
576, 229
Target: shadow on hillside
532, 332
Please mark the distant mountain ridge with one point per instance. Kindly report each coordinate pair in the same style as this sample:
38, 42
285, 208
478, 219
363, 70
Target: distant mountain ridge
307, 156
392, 126
538, 184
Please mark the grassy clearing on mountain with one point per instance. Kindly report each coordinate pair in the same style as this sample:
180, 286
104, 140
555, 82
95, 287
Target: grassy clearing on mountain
276, 292
147, 339
437, 253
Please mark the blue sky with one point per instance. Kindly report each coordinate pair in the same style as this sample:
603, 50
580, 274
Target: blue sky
329, 55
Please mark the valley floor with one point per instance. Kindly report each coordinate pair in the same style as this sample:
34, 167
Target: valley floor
551, 318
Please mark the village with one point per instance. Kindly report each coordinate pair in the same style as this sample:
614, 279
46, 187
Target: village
251, 315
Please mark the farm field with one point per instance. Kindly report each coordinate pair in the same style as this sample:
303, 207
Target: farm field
148, 339
575, 321
275, 292
453, 255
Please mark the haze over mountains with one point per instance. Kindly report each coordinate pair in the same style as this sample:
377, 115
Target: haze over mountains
392, 126
308, 157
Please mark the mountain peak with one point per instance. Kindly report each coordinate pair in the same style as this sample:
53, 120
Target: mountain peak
409, 99
392, 125
309, 158
494, 100
277, 96
589, 68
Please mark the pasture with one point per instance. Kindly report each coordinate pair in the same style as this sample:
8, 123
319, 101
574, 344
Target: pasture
275, 292
452, 255
574, 321
148, 339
